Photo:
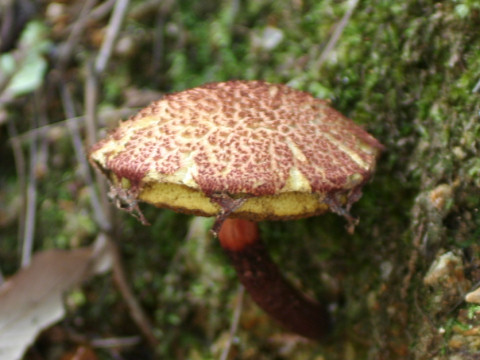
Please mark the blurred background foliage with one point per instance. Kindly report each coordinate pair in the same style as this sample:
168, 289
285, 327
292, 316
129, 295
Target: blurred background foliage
407, 71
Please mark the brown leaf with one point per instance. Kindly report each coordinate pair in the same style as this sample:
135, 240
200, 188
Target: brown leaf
31, 300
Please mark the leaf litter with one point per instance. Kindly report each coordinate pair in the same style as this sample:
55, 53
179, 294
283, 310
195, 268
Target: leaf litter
32, 299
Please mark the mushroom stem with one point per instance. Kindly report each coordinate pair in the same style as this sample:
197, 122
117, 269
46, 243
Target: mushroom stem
257, 272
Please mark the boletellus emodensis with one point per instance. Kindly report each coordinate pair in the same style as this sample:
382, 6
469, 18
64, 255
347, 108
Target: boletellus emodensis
243, 151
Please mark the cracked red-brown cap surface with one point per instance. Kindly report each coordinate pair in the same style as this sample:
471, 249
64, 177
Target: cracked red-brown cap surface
287, 153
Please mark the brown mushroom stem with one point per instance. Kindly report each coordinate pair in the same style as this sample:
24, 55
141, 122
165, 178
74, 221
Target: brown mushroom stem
241, 241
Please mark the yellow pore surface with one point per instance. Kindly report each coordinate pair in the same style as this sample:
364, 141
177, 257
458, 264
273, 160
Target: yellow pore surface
181, 198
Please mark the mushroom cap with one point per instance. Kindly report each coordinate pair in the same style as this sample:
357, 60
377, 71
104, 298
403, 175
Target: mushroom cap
286, 153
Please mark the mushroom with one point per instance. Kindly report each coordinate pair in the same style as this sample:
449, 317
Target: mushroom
243, 151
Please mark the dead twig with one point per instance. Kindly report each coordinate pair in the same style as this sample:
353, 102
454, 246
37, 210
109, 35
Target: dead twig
14, 15
136, 311
101, 10
124, 112
144, 8
37, 168
80, 155
31, 201
116, 342
105, 343
235, 321
75, 35
91, 98
113, 30
91, 121
42, 154
91, 88
95, 14
332, 42
20, 166
476, 88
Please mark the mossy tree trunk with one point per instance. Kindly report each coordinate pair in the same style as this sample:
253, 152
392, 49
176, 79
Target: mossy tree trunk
409, 71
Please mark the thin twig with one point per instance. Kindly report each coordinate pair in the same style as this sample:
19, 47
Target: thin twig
38, 167
101, 10
92, 15
80, 120
31, 201
91, 121
80, 155
42, 154
332, 42
476, 87
116, 342
14, 15
140, 9
74, 37
136, 311
235, 321
20, 165
91, 88
113, 29
91, 97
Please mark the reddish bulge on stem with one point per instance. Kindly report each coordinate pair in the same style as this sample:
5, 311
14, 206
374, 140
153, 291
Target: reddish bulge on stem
235, 234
